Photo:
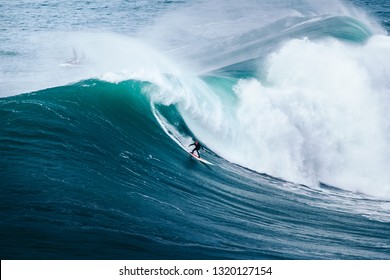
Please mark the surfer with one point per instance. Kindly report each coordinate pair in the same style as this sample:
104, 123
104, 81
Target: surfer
197, 147
76, 59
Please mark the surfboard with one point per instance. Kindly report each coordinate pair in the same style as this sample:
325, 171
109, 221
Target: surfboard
200, 159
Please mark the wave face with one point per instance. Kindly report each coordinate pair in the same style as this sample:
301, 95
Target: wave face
290, 106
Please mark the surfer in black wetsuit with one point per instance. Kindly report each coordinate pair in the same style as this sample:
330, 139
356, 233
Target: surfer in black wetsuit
197, 147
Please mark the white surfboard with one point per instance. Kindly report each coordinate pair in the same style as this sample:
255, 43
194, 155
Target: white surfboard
200, 159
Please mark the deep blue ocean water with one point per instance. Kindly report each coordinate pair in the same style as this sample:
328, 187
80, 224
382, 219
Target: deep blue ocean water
100, 101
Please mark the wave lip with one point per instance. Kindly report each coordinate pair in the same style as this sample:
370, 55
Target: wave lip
242, 51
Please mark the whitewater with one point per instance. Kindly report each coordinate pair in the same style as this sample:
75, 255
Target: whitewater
290, 99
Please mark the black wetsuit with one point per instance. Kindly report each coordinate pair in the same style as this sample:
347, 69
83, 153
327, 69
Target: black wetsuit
197, 148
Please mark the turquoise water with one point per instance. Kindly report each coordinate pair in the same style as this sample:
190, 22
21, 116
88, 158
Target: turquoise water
101, 100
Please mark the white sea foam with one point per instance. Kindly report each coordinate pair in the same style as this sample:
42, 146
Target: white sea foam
319, 114
61, 58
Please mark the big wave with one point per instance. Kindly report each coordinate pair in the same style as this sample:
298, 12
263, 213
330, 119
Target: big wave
302, 99
289, 100
315, 112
